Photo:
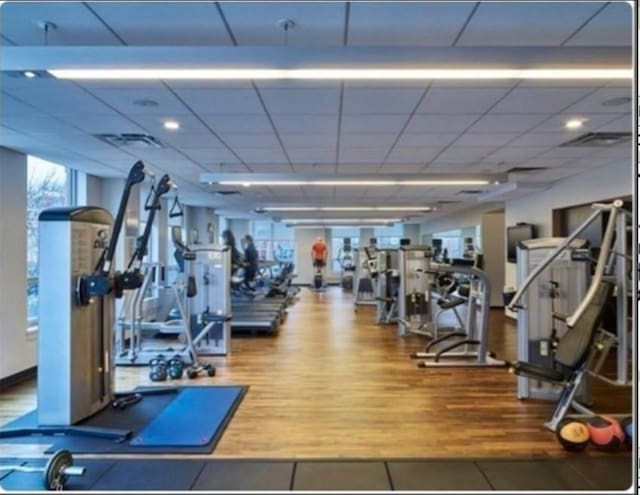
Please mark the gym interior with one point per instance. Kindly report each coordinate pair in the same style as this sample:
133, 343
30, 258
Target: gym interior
297, 246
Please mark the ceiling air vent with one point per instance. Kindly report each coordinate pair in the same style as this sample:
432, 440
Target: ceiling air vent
599, 139
131, 140
446, 202
525, 170
227, 193
470, 191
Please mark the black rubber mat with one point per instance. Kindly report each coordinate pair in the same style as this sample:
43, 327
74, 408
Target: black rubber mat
133, 418
145, 475
533, 475
346, 476
612, 473
437, 475
245, 475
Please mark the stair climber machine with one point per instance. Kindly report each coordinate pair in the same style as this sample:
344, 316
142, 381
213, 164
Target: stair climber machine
78, 289
366, 274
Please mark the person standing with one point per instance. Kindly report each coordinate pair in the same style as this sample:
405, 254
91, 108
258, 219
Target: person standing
319, 253
250, 260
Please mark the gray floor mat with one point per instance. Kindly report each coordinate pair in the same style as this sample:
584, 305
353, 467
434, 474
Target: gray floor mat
348, 475
533, 475
245, 475
437, 475
150, 475
612, 473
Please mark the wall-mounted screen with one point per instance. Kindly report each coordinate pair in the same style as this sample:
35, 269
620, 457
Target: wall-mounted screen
515, 235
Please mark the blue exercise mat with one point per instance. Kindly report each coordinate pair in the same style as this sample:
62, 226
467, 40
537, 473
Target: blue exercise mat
192, 419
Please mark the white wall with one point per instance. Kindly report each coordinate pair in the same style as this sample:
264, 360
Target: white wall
18, 350
412, 231
592, 186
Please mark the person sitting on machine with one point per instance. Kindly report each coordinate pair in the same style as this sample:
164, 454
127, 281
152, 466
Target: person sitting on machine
319, 259
250, 261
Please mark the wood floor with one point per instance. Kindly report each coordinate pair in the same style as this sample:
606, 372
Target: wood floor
333, 384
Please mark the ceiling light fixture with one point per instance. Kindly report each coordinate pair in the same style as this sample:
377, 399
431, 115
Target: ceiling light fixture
29, 74
341, 74
353, 183
574, 124
346, 208
295, 221
171, 125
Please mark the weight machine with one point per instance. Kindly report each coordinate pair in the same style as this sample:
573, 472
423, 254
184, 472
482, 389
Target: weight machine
387, 286
583, 349
78, 288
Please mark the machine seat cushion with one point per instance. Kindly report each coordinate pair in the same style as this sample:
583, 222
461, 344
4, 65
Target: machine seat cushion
537, 371
451, 302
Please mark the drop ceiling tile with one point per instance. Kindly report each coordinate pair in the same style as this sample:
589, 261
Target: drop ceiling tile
460, 169
362, 155
373, 123
485, 139
311, 155
238, 123
269, 168
215, 155
380, 101
308, 169
357, 140
568, 152
471, 154
228, 167
192, 23
623, 124
594, 102
551, 175
591, 121
539, 100
261, 155
401, 168
495, 122
256, 23
309, 140
413, 155
61, 101
189, 140
221, 101
75, 24
124, 100
541, 162
460, 100
525, 23
321, 124
154, 124
440, 123
621, 151
542, 139
611, 27
427, 139
250, 140
515, 154
301, 101
406, 23
102, 124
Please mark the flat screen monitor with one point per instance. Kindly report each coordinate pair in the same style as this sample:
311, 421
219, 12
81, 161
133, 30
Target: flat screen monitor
515, 235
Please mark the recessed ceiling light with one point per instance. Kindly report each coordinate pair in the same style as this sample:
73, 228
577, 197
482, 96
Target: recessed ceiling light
146, 103
573, 124
171, 125
29, 74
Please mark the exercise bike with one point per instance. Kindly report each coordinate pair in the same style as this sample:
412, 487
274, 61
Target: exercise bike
318, 284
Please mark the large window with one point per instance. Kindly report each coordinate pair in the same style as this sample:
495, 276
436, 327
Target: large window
47, 186
389, 237
337, 242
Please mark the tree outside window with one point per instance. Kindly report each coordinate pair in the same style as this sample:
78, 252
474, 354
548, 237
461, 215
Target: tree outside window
47, 187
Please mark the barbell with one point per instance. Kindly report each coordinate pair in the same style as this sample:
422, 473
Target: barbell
55, 473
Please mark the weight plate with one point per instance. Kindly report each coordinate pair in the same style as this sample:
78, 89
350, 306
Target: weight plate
54, 477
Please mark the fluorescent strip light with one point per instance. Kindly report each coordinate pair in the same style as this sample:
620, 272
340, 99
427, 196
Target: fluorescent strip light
346, 208
342, 74
341, 220
324, 226
353, 183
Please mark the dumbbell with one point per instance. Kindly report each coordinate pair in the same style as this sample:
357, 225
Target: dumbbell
54, 475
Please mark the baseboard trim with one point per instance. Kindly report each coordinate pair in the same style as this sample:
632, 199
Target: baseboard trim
18, 378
